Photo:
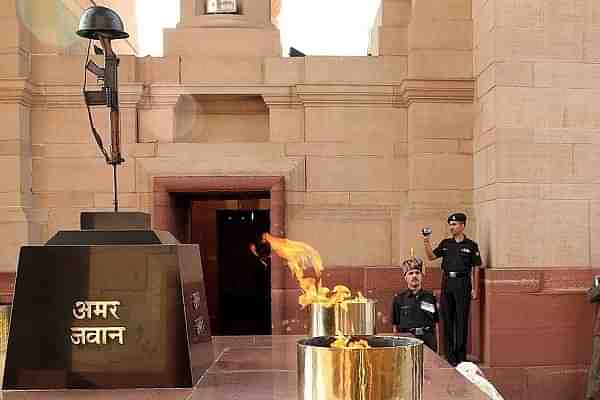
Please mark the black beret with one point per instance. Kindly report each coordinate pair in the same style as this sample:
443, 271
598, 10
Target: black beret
457, 217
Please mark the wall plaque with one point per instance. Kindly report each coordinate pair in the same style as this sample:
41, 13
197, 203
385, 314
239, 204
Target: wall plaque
221, 6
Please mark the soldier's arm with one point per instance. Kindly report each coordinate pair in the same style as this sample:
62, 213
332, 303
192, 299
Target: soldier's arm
476, 256
476, 259
428, 249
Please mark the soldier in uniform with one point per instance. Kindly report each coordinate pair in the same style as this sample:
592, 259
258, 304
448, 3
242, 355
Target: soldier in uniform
459, 256
415, 310
593, 385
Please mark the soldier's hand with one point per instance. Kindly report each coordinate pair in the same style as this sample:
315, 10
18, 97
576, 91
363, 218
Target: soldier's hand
425, 239
473, 294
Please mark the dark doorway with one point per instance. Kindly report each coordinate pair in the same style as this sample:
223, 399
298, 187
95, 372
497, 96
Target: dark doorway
204, 230
186, 206
244, 281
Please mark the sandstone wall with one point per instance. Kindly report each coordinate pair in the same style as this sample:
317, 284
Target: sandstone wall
535, 187
486, 106
535, 146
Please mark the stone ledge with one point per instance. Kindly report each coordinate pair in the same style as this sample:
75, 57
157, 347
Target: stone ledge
16, 91
68, 96
436, 91
326, 95
409, 91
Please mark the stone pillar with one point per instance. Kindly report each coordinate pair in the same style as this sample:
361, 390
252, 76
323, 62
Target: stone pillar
439, 92
536, 191
248, 33
275, 11
16, 227
440, 120
389, 34
15, 43
535, 150
440, 40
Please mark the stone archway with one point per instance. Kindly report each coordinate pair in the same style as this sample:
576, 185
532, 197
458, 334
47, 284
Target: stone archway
170, 214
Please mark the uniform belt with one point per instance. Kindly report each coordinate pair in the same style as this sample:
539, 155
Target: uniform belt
454, 274
417, 331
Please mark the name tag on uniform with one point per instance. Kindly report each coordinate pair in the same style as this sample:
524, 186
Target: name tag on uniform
427, 307
465, 250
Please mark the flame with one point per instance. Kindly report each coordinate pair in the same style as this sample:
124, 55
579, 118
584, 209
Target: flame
301, 256
360, 298
343, 342
298, 255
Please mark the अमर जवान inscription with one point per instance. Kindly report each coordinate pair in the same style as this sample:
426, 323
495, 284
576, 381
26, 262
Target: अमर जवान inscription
100, 335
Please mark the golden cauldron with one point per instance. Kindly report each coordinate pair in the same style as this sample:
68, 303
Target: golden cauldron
391, 369
351, 318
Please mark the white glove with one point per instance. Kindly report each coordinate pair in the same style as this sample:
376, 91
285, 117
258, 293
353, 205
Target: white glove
475, 376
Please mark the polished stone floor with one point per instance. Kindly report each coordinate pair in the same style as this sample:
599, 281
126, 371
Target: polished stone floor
258, 368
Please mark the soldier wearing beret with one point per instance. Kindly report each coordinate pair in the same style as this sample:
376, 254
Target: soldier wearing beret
415, 310
459, 256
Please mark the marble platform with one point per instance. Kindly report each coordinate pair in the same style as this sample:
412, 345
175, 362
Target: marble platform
259, 368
